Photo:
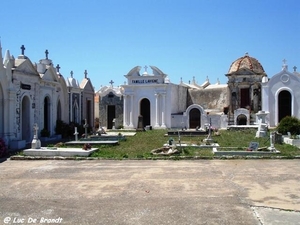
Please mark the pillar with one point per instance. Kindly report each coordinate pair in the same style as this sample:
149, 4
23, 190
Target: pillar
125, 111
163, 111
131, 111
156, 110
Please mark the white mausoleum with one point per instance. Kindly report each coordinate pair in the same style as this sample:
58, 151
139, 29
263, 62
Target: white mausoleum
152, 96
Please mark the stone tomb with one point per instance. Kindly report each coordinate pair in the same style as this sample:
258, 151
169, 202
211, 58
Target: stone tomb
53, 151
88, 141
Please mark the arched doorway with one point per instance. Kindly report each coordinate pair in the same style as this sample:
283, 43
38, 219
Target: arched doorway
145, 111
195, 118
25, 116
47, 113
284, 105
241, 120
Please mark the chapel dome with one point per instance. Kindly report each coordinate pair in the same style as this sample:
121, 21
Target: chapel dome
246, 62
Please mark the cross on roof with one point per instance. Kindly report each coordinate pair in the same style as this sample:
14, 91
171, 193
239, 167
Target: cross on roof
46, 52
295, 68
111, 82
23, 49
85, 74
146, 67
57, 68
284, 61
71, 73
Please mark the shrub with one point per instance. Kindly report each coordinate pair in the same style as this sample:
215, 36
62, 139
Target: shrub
289, 124
2, 147
45, 133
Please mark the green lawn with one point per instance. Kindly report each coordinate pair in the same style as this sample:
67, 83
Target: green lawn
140, 145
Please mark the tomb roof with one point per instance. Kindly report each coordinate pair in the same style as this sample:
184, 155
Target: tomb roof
246, 62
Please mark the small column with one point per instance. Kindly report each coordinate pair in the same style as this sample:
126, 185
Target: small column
125, 111
163, 111
272, 142
76, 134
156, 110
131, 111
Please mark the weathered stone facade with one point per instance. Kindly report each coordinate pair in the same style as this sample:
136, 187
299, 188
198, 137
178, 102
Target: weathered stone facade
212, 99
110, 105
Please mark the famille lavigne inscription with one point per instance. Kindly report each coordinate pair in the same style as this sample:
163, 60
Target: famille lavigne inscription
145, 81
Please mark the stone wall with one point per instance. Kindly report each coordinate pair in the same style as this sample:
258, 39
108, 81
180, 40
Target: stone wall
212, 98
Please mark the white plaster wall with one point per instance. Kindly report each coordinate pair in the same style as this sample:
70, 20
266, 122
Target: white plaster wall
277, 84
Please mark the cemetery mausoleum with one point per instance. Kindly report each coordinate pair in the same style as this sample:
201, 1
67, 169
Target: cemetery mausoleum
37, 93
150, 96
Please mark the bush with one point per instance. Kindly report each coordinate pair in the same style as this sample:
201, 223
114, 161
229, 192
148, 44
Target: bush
45, 133
289, 124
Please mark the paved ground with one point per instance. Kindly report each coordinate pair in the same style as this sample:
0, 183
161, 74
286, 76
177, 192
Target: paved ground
150, 192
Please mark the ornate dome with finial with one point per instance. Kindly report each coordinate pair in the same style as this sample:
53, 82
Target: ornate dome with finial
246, 63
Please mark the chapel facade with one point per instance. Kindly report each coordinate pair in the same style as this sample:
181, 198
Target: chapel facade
281, 95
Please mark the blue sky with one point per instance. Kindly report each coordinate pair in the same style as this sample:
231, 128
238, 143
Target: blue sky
183, 38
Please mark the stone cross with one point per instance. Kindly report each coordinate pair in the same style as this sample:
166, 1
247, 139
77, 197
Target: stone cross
85, 128
46, 52
71, 73
209, 131
35, 128
23, 49
76, 134
57, 68
111, 82
36, 143
85, 74
284, 61
146, 67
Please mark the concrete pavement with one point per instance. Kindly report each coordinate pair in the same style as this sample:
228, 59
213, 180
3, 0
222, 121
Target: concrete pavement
150, 192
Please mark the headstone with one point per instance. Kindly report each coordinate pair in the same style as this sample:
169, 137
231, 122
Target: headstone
76, 134
278, 138
36, 143
253, 146
140, 126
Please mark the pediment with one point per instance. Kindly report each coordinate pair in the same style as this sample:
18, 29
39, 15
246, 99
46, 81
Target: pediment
86, 85
25, 67
50, 74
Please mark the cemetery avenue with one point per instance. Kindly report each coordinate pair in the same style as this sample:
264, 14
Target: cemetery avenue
151, 192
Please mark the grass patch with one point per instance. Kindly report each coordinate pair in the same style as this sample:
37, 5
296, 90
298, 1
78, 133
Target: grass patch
140, 145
